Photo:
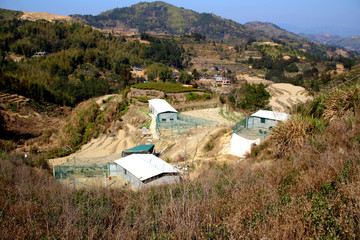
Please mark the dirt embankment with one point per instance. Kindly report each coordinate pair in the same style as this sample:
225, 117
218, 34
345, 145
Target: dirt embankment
27, 125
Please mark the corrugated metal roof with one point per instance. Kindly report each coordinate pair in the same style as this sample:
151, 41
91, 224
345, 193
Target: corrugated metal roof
161, 106
141, 148
278, 116
145, 166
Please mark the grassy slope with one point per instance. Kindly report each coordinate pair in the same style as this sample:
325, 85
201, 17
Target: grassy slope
306, 188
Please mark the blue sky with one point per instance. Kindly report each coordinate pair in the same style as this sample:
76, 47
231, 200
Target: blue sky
301, 13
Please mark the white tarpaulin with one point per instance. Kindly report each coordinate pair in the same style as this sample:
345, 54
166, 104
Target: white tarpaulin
240, 146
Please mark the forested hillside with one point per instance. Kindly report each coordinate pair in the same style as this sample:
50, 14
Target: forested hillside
79, 62
161, 17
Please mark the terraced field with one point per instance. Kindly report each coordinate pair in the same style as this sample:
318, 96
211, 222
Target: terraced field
13, 99
285, 95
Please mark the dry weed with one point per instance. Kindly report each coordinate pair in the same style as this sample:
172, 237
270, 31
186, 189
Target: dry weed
288, 136
341, 103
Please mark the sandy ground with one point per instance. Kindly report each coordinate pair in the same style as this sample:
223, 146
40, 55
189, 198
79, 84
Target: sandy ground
108, 147
285, 95
33, 16
254, 80
98, 150
212, 114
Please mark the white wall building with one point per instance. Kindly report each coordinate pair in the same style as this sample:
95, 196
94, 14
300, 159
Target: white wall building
141, 170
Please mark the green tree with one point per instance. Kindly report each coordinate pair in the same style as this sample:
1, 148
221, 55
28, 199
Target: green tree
292, 68
184, 77
253, 97
195, 74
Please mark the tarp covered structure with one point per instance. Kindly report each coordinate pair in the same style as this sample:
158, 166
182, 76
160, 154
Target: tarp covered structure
140, 149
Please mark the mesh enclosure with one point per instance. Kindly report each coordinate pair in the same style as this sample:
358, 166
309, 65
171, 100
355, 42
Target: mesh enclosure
249, 129
180, 125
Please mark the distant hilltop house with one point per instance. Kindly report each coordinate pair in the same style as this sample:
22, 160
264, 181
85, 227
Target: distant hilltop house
40, 54
137, 69
220, 80
162, 110
138, 72
226, 82
254, 130
142, 170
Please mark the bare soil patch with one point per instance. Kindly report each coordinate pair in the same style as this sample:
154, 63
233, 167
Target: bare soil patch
33, 16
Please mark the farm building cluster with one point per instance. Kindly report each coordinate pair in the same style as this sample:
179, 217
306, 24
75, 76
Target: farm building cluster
141, 166
137, 167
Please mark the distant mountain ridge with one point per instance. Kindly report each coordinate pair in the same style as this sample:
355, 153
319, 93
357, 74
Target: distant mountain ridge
272, 30
349, 43
163, 18
160, 17
343, 32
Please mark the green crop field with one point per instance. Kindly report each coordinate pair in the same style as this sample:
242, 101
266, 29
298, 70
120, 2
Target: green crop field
166, 87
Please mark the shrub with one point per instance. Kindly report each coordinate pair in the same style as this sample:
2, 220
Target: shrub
289, 135
192, 96
206, 96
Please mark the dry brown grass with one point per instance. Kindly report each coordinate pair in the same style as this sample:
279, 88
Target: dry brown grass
342, 102
290, 135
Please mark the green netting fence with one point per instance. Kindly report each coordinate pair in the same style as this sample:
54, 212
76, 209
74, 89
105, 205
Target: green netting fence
181, 125
247, 129
95, 175
64, 172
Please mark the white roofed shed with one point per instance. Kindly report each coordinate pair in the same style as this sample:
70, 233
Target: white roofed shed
162, 110
277, 116
267, 119
141, 170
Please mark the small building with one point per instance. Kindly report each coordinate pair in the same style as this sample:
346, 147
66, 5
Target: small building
218, 79
226, 82
141, 149
142, 170
40, 54
162, 110
253, 130
268, 119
